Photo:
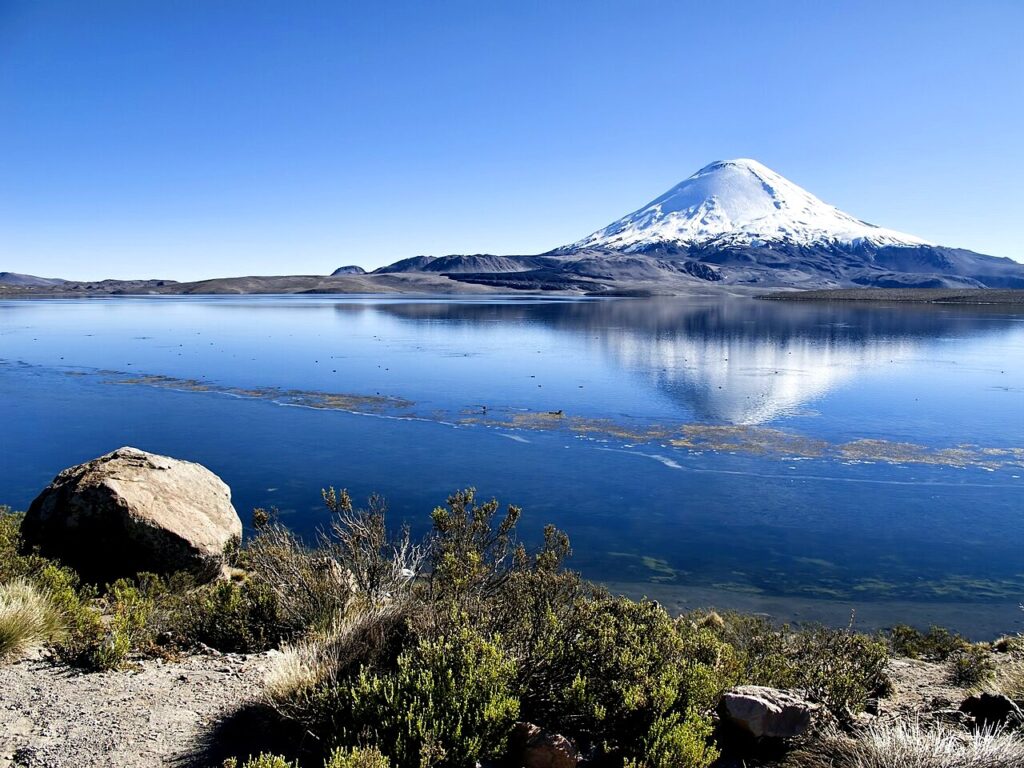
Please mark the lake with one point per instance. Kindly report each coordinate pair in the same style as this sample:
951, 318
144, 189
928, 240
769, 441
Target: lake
802, 460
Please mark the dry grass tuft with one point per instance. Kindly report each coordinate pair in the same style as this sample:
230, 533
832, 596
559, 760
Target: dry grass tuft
1008, 680
912, 745
297, 668
359, 638
28, 618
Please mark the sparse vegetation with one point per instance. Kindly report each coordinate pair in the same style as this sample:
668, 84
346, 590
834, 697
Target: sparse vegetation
840, 668
909, 744
369, 757
972, 666
28, 618
937, 644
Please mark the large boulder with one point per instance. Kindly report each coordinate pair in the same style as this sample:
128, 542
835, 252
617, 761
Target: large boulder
132, 511
764, 712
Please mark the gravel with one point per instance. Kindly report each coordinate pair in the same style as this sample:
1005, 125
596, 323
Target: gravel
160, 713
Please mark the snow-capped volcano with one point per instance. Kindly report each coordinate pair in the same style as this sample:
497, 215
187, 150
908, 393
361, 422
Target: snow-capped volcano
739, 203
734, 222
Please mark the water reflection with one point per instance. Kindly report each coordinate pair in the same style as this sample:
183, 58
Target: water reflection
737, 361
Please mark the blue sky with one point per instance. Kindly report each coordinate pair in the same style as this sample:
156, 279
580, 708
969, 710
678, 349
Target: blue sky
220, 137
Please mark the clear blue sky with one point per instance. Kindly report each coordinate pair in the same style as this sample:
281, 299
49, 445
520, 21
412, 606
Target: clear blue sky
190, 139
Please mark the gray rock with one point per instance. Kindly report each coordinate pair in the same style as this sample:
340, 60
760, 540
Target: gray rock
131, 511
530, 746
767, 712
993, 709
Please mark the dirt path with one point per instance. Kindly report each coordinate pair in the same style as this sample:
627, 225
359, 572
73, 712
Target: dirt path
160, 714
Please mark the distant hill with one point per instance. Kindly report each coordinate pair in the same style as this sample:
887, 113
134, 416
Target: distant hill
351, 269
14, 278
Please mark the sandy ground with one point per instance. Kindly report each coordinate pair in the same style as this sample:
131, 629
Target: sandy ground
161, 713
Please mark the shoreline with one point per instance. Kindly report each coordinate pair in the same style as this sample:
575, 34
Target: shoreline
948, 296
868, 616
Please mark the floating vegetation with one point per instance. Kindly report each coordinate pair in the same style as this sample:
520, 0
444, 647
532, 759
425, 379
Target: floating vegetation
697, 438
758, 441
376, 404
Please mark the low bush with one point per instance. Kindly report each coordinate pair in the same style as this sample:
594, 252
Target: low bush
261, 761
630, 680
129, 610
10, 544
441, 701
937, 644
972, 666
15, 563
28, 618
232, 617
448, 702
1009, 644
840, 668
369, 757
307, 587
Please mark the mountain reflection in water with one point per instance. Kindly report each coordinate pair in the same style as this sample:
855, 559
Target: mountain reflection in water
736, 361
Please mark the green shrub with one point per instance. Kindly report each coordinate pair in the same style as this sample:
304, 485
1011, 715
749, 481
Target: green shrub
472, 550
639, 684
764, 650
378, 566
937, 644
14, 562
27, 618
448, 702
368, 757
838, 667
841, 668
305, 679
261, 761
10, 544
129, 609
972, 666
83, 620
675, 741
309, 587
232, 617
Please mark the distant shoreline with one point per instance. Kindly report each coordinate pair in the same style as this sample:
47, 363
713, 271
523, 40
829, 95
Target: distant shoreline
442, 285
906, 295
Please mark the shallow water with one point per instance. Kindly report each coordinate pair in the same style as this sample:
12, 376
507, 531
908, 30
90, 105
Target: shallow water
798, 459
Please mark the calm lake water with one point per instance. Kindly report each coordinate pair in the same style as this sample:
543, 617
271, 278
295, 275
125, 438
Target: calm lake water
801, 460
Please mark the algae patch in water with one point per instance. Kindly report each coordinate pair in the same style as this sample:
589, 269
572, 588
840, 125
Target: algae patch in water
756, 441
653, 569
354, 403
744, 439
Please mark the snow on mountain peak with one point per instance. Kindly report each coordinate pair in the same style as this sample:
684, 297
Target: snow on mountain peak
739, 202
